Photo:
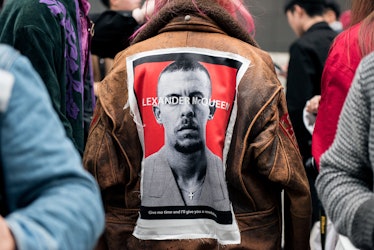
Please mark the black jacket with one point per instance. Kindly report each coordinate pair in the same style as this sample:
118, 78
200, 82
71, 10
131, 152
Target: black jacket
113, 30
307, 59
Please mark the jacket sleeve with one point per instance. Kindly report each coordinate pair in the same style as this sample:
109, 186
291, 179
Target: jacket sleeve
336, 81
297, 197
100, 157
278, 158
53, 202
45, 51
113, 152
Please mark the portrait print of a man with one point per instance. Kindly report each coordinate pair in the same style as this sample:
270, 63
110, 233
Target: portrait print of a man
183, 102
184, 172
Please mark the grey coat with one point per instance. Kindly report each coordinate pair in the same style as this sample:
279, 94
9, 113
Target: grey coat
345, 183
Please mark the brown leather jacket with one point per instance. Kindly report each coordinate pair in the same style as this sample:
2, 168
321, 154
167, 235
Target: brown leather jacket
262, 161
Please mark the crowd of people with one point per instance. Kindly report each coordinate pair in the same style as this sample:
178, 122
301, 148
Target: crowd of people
162, 124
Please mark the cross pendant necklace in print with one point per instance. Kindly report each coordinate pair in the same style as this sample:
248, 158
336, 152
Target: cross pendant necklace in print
196, 189
190, 195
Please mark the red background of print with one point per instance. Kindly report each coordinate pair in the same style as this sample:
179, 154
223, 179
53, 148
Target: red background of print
223, 88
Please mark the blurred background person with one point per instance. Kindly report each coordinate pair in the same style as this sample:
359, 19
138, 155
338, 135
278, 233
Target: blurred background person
307, 58
56, 41
340, 67
48, 201
332, 15
113, 29
345, 19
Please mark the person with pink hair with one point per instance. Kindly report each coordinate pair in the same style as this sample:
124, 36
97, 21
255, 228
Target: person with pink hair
191, 141
345, 19
345, 54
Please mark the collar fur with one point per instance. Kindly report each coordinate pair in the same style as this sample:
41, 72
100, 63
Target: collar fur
208, 8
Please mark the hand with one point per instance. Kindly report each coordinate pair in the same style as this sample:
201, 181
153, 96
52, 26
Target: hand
313, 104
281, 70
7, 241
96, 88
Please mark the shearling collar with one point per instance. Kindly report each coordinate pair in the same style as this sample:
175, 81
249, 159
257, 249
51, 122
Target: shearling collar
210, 11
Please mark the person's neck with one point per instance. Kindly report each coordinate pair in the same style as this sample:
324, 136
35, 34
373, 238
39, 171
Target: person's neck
189, 169
191, 181
311, 21
115, 8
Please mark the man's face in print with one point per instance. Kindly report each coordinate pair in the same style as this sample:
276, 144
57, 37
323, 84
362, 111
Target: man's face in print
185, 115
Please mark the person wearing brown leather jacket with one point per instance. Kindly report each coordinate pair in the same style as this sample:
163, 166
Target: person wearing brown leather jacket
250, 133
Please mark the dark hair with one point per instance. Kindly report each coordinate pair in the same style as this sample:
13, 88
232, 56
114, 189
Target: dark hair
185, 63
1, 4
105, 2
181, 64
334, 6
311, 7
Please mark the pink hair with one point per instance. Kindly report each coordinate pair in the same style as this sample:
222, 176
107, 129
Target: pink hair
239, 12
366, 40
234, 7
